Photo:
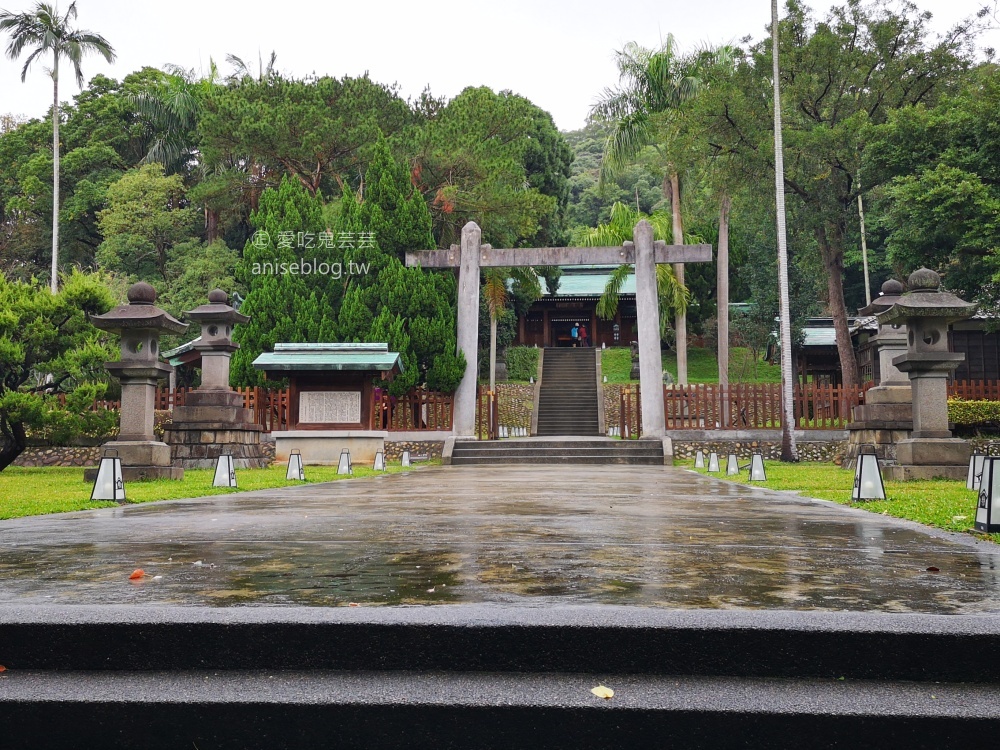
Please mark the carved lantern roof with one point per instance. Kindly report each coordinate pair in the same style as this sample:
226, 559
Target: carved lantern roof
139, 313
926, 300
217, 310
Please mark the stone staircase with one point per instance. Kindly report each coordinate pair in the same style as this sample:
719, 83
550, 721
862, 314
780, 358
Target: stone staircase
493, 676
567, 400
558, 451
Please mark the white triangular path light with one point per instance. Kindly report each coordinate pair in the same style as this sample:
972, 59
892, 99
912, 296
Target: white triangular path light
757, 473
345, 466
989, 493
713, 462
976, 468
225, 472
699, 460
109, 484
732, 465
405, 460
868, 483
379, 464
296, 471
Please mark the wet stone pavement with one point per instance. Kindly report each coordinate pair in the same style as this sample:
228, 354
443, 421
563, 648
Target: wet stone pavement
532, 535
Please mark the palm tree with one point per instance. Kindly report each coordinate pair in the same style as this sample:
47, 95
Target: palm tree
241, 69
674, 296
170, 109
655, 83
46, 32
788, 451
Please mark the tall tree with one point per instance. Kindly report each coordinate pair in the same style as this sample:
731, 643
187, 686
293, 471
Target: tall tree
44, 30
838, 76
654, 84
496, 159
788, 452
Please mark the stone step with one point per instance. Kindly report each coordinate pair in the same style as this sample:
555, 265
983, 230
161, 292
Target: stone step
544, 452
535, 443
493, 676
390, 711
555, 459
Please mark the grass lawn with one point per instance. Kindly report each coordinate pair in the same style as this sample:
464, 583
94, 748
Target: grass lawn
703, 366
32, 492
943, 503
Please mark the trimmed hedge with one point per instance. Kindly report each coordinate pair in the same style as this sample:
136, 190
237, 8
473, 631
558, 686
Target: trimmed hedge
522, 362
973, 413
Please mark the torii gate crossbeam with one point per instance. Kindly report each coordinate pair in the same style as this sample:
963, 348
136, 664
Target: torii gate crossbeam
643, 252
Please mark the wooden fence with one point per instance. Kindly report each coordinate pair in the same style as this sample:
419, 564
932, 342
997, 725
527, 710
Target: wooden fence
974, 390
743, 406
416, 410
487, 414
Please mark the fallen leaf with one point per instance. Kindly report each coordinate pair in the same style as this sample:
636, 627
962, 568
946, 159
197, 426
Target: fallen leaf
137, 574
3, 668
431, 591
603, 692
958, 518
932, 569
353, 604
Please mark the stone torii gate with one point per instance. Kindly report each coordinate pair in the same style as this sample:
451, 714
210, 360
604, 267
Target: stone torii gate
643, 252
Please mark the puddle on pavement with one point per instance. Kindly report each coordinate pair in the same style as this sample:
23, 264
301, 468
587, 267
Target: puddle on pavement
576, 537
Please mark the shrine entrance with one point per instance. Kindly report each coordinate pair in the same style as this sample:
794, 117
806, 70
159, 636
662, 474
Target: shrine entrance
642, 251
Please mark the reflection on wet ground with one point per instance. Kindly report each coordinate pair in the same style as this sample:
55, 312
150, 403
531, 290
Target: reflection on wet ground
645, 536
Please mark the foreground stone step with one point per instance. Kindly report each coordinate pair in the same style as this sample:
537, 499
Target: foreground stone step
390, 710
488, 676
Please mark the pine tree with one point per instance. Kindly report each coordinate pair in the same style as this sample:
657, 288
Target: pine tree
410, 309
284, 306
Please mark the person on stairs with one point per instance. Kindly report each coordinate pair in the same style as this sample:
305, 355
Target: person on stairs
574, 333
584, 341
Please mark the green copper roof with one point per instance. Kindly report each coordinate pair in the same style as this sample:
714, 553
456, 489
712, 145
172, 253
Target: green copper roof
304, 357
586, 284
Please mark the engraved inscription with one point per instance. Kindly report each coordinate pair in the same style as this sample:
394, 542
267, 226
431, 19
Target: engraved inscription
330, 407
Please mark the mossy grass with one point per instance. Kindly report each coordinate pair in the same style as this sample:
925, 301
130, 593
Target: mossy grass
37, 491
943, 503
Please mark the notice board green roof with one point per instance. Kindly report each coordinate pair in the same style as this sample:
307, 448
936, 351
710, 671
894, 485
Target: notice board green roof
305, 357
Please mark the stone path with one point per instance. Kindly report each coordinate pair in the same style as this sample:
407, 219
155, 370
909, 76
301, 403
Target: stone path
532, 535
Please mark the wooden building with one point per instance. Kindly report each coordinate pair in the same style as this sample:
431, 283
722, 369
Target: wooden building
549, 320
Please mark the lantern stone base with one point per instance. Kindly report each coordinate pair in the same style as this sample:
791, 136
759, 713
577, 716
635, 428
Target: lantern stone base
323, 447
884, 421
141, 459
210, 424
930, 458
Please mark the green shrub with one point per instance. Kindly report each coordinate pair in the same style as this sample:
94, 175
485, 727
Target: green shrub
522, 362
973, 413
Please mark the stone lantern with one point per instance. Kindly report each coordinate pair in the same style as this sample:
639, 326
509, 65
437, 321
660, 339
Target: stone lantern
140, 324
926, 311
214, 419
886, 417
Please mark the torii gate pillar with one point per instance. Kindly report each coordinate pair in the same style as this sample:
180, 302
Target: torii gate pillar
464, 417
647, 307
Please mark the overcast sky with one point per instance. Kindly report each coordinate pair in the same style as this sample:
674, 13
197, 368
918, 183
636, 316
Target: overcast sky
557, 53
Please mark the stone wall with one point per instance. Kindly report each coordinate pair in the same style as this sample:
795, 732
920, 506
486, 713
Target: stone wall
826, 450
59, 456
612, 403
516, 401
90, 455
430, 448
